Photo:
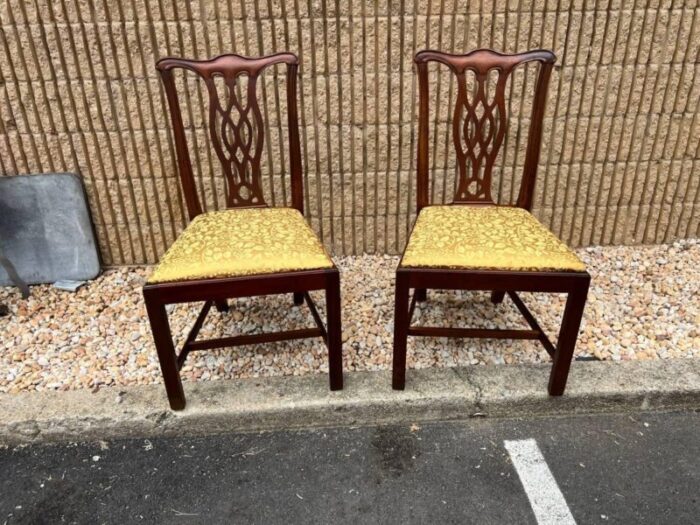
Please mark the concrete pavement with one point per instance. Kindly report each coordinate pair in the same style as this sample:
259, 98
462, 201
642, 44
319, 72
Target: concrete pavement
303, 402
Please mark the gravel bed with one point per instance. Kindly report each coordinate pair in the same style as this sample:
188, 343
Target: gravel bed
643, 304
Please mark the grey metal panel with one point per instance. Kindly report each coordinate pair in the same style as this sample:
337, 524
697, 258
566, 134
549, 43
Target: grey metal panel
45, 228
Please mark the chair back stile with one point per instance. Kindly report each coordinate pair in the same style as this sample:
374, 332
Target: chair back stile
480, 120
235, 126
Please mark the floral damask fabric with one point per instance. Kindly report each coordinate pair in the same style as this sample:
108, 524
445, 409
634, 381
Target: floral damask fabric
486, 237
238, 242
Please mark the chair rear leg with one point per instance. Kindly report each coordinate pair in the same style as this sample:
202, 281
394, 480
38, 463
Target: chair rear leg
566, 342
298, 298
158, 318
398, 380
335, 331
222, 306
497, 296
421, 295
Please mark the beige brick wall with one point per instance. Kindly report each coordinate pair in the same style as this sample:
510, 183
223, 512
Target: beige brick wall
620, 161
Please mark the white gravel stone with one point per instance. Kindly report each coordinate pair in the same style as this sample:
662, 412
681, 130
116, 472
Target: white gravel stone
643, 304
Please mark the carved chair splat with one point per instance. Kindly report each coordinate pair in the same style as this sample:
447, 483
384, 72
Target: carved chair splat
469, 254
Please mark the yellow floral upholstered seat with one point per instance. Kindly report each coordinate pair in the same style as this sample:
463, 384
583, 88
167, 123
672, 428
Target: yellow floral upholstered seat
238, 242
486, 237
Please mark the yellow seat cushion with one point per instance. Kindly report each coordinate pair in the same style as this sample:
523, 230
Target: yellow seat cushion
237, 242
485, 237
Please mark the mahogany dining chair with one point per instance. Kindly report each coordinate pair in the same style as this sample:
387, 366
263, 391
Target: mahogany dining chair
475, 243
249, 248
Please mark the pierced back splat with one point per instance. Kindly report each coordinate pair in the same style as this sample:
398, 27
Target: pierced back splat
236, 125
478, 127
480, 120
236, 129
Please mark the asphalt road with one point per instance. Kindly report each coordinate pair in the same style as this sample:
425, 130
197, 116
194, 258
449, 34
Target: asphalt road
639, 468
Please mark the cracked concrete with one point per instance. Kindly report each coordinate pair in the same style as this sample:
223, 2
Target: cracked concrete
301, 402
465, 374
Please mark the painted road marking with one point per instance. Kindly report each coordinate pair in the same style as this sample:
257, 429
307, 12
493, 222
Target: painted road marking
546, 499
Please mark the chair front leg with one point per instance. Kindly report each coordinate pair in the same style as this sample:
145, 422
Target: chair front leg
401, 320
421, 295
571, 322
222, 305
158, 317
335, 331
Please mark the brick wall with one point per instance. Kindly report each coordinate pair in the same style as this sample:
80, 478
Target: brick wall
79, 93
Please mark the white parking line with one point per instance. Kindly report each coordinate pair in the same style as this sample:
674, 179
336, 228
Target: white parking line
546, 499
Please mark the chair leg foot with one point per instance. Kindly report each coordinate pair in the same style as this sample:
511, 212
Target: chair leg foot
421, 295
497, 296
566, 343
222, 306
298, 298
162, 338
335, 332
398, 378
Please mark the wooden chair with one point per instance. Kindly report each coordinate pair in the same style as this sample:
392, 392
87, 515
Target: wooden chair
474, 244
249, 249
